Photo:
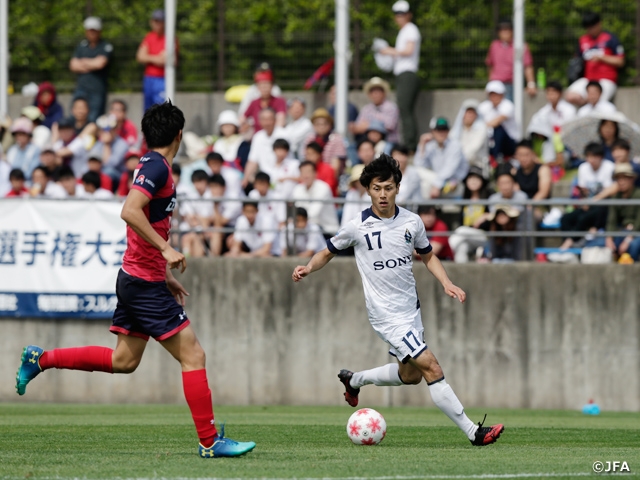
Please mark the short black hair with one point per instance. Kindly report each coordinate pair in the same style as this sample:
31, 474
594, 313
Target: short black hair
302, 212
554, 85
595, 83
44, 170
315, 146
63, 172
595, 149
590, 19
217, 179
281, 143
16, 174
83, 99
384, 167
121, 102
199, 176
176, 169
307, 163
161, 124
621, 143
262, 177
366, 140
398, 147
214, 156
504, 169
427, 210
250, 203
92, 178
524, 144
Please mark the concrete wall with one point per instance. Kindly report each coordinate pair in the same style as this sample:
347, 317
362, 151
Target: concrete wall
202, 109
539, 336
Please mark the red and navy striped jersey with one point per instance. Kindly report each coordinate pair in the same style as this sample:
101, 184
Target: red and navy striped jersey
606, 43
153, 178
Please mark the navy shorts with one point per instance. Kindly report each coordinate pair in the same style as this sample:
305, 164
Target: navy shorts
146, 309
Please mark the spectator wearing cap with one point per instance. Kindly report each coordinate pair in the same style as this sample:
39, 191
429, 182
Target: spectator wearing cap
556, 111
17, 180
314, 195
261, 156
229, 139
152, 54
124, 128
299, 128
500, 60
23, 154
131, 161
90, 62
253, 93
334, 152
504, 218
624, 217
443, 157
307, 240
47, 102
499, 115
110, 147
379, 108
471, 132
410, 190
603, 56
376, 133
251, 117
470, 235
357, 198
94, 164
91, 185
406, 55
595, 101
255, 233
432, 224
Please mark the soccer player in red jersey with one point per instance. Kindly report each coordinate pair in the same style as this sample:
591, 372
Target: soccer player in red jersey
150, 299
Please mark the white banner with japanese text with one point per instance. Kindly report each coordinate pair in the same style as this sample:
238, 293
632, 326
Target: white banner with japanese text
59, 259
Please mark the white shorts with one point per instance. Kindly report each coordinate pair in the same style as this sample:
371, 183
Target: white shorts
406, 338
580, 87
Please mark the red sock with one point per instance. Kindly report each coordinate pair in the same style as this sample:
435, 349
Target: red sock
198, 395
89, 359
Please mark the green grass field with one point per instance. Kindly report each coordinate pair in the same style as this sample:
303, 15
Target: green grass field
133, 441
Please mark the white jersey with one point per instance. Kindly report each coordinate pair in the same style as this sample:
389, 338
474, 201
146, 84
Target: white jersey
384, 254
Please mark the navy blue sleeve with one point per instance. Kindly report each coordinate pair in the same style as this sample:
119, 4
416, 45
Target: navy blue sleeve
150, 177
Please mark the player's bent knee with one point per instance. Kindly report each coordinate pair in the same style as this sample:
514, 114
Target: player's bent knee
128, 365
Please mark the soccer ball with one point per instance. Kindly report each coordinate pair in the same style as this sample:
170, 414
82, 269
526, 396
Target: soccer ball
366, 427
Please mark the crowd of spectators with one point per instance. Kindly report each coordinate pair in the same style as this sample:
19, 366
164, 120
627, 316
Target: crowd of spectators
267, 183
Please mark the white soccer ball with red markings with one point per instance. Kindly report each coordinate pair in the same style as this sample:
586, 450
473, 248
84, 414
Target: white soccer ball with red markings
366, 427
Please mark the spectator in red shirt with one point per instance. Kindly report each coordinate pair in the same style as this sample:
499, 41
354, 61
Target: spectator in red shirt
432, 223
603, 56
151, 53
264, 82
124, 128
16, 178
95, 165
334, 152
500, 61
324, 172
131, 161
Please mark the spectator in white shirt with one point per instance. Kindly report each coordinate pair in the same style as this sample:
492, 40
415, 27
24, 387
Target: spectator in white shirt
91, 184
255, 233
557, 111
261, 156
232, 177
286, 173
595, 102
262, 191
499, 115
66, 179
410, 185
43, 186
356, 199
323, 212
299, 128
306, 240
229, 140
70, 149
225, 214
197, 212
471, 132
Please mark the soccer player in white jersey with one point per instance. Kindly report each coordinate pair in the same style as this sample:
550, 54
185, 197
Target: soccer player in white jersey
384, 237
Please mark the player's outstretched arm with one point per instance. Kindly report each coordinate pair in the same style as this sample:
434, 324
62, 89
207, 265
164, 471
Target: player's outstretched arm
133, 214
318, 261
434, 265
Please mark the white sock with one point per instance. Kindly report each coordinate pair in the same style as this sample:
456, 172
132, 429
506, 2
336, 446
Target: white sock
446, 400
384, 376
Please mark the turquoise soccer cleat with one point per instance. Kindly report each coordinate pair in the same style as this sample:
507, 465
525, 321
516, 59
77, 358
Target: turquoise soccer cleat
29, 367
225, 447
